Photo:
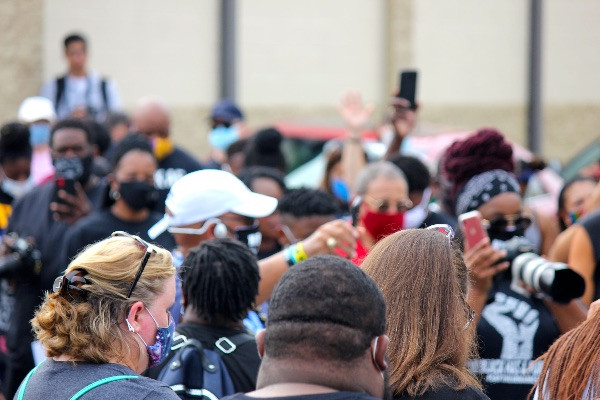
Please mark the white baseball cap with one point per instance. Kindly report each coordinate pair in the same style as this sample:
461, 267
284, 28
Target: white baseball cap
36, 109
210, 193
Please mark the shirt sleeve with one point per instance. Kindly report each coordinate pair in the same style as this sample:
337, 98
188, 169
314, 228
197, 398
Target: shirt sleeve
161, 394
49, 90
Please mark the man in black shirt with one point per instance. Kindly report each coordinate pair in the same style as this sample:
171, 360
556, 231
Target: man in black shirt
152, 119
324, 337
44, 215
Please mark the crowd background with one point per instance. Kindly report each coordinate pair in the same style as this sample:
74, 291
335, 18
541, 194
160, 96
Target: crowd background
138, 164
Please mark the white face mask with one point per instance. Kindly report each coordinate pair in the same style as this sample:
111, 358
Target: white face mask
17, 189
414, 217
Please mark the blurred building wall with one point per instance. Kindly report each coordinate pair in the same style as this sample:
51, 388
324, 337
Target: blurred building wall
296, 58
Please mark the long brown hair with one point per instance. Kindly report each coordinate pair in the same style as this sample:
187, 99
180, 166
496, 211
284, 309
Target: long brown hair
423, 279
571, 363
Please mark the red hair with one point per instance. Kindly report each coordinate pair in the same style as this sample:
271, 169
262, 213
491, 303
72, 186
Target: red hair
486, 150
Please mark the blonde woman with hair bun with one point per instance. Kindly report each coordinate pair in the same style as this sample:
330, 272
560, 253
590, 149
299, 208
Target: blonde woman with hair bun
106, 321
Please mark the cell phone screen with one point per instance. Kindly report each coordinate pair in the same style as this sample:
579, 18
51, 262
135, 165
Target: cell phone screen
408, 87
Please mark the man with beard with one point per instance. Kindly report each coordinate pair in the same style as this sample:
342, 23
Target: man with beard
325, 343
44, 215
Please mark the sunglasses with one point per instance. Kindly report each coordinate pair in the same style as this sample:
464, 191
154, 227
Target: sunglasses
143, 245
503, 224
69, 285
384, 205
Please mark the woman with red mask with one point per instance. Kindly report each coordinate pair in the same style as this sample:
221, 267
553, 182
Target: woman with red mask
382, 200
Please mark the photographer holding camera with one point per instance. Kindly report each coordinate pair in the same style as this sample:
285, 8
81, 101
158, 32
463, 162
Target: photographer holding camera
37, 227
514, 326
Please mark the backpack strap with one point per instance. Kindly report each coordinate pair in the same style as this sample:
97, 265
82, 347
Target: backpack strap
227, 345
101, 382
60, 90
103, 84
26, 381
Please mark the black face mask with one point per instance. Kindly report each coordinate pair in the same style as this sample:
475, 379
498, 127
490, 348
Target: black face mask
138, 194
250, 236
505, 234
75, 168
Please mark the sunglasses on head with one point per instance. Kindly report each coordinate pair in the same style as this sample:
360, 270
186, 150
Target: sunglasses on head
69, 285
444, 229
385, 205
143, 245
503, 224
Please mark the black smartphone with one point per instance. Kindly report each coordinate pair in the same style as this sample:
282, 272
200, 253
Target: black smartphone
66, 184
354, 210
408, 87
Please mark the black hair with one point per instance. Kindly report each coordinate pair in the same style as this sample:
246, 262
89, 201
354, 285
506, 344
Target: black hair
116, 118
324, 309
417, 174
101, 136
130, 143
563, 191
14, 142
250, 174
72, 123
305, 202
265, 150
220, 280
74, 37
239, 146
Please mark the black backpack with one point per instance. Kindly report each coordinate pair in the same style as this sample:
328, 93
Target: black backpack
195, 372
60, 90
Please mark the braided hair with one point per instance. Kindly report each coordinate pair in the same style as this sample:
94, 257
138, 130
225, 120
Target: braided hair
220, 280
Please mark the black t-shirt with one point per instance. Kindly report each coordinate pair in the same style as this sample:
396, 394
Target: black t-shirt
447, 393
31, 217
320, 396
242, 364
591, 223
99, 225
170, 169
62, 379
513, 331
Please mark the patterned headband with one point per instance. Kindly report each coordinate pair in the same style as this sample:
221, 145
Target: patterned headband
481, 188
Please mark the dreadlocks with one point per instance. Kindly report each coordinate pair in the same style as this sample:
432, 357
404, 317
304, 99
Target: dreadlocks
220, 280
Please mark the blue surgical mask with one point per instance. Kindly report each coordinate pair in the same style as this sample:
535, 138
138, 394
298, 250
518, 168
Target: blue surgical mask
221, 137
39, 134
164, 339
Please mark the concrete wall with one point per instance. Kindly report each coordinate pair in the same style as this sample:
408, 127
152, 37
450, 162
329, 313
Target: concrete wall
296, 58
21, 53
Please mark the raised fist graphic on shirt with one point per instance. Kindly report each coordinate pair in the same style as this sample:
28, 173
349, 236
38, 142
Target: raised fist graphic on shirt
517, 322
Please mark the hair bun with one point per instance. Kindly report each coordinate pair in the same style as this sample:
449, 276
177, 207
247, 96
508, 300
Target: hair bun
482, 152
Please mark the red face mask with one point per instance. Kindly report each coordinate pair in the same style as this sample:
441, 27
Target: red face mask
380, 225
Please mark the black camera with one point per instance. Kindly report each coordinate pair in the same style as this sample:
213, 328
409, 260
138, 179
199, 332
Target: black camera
553, 279
24, 260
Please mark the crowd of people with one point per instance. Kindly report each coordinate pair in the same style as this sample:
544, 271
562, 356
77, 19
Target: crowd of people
130, 268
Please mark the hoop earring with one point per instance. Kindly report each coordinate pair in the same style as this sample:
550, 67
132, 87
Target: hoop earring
114, 194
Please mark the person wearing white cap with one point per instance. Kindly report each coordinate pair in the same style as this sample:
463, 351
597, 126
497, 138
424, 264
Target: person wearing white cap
38, 114
209, 204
